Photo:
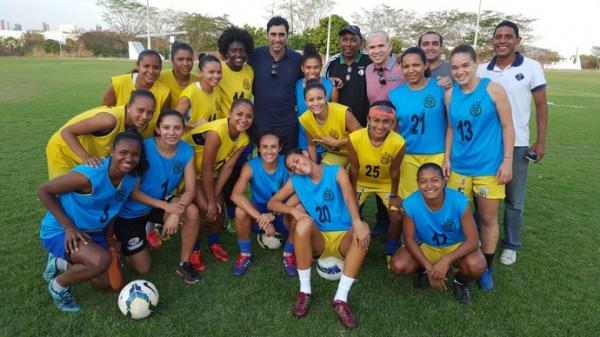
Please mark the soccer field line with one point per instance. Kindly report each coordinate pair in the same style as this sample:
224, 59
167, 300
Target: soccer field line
585, 93
567, 106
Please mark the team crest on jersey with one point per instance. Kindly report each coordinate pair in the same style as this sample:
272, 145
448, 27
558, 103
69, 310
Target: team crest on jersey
328, 195
429, 102
386, 158
449, 225
483, 192
178, 167
519, 76
120, 196
361, 71
475, 109
246, 85
333, 134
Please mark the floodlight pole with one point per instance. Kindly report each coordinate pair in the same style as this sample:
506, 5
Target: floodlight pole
328, 37
477, 26
148, 22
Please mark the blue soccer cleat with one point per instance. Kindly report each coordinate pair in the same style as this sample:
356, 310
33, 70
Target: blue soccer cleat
241, 265
486, 282
64, 300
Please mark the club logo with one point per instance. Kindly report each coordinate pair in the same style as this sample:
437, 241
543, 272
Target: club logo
178, 167
333, 134
483, 192
386, 158
475, 109
361, 71
328, 195
449, 226
519, 76
429, 102
246, 85
121, 195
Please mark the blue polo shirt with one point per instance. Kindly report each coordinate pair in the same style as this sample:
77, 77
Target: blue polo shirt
274, 95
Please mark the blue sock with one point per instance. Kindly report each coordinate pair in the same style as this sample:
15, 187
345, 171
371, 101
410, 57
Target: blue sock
392, 246
245, 246
214, 238
230, 213
288, 248
197, 245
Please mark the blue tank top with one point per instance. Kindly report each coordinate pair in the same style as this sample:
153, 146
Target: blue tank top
421, 116
439, 228
301, 107
477, 133
91, 212
265, 184
161, 178
324, 201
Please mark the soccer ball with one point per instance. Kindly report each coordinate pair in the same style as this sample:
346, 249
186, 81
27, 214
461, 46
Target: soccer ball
138, 299
330, 268
269, 242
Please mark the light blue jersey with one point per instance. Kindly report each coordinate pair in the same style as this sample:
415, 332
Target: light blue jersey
301, 107
439, 228
477, 148
421, 116
264, 184
161, 178
91, 212
324, 200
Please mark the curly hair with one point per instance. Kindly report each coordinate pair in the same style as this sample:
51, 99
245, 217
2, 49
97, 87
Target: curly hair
235, 34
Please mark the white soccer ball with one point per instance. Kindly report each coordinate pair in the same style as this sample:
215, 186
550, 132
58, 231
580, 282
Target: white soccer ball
330, 268
269, 242
138, 299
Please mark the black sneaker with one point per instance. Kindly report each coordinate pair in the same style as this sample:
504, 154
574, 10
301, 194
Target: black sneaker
185, 270
461, 292
421, 280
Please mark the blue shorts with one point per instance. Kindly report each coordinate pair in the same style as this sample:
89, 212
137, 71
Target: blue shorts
278, 223
56, 244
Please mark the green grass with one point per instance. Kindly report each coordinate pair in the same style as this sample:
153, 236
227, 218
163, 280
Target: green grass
551, 291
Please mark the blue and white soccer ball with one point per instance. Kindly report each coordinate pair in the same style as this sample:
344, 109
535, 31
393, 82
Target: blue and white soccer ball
138, 299
330, 268
269, 242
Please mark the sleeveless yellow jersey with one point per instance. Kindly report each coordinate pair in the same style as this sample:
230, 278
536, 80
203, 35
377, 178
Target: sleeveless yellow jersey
168, 79
334, 127
374, 162
125, 84
226, 150
202, 105
60, 154
235, 85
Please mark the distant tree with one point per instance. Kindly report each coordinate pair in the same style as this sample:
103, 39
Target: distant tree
203, 31
127, 18
589, 62
102, 43
318, 35
395, 22
9, 46
259, 35
304, 14
51, 46
596, 53
542, 55
30, 41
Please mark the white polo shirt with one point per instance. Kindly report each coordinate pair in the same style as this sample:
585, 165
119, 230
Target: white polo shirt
519, 79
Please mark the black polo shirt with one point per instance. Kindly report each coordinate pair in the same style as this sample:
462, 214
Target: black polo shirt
354, 91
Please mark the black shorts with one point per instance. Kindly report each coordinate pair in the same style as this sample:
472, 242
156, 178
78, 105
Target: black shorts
131, 233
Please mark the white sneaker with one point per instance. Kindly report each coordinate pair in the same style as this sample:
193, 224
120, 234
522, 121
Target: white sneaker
508, 257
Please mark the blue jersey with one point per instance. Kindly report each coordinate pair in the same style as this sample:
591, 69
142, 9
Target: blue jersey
477, 148
421, 116
439, 228
324, 201
264, 184
161, 178
91, 212
301, 107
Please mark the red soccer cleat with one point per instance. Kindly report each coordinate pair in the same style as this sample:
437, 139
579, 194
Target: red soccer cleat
302, 304
342, 309
153, 239
218, 252
196, 261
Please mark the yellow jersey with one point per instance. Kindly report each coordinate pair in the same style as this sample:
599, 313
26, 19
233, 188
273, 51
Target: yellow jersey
202, 105
227, 148
235, 85
125, 84
334, 126
168, 79
374, 162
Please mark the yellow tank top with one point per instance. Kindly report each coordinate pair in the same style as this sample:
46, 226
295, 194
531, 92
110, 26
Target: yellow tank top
124, 85
168, 79
235, 85
97, 146
334, 127
228, 146
202, 105
374, 162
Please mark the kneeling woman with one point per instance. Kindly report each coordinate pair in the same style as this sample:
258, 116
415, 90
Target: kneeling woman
440, 219
171, 161
80, 206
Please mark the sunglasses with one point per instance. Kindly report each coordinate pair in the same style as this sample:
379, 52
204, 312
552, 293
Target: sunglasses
380, 77
274, 67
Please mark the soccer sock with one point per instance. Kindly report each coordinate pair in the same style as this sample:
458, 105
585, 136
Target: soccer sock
288, 249
245, 246
304, 276
56, 286
392, 246
214, 238
197, 245
149, 227
343, 288
460, 278
61, 264
489, 258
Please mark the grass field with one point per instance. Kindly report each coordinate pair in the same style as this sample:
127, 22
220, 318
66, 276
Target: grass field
551, 291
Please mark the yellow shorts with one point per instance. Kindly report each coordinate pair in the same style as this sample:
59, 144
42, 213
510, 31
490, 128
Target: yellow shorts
434, 254
486, 187
408, 171
330, 158
331, 246
59, 162
363, 192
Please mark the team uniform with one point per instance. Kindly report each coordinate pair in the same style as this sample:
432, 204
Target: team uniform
234, 85
421, 116
159, 181
61, 158
202, 105
167, 78
325, 204
334, 127
438, 232
477, 150
228, 146
90, 212
301, 107
123, 85
374, 164
264, 185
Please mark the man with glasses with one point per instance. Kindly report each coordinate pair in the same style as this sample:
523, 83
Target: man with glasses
384, 74
276, 70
